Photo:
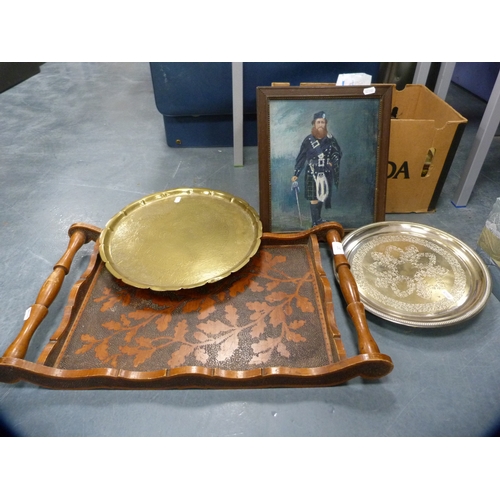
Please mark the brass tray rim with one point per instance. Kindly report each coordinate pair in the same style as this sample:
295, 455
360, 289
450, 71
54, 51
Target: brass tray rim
252, 250
478, 306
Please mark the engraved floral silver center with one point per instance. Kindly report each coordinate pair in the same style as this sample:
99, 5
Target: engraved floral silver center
409, 274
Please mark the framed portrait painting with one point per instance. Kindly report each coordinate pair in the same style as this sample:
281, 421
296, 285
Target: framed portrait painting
323, 155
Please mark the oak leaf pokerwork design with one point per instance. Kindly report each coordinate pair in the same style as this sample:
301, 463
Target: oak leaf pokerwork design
197, 327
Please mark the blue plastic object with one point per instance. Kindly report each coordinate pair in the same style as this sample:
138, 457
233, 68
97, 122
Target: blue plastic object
476, 77
195, 99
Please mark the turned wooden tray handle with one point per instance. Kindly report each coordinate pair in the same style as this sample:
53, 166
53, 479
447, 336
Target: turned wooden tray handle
349, 288
79, 235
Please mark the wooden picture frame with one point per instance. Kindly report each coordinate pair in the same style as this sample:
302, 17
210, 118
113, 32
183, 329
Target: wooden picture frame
351, 175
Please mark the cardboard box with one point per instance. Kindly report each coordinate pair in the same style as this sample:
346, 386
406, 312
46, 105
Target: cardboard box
425, 134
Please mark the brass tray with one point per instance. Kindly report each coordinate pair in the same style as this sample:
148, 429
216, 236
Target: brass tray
181, 238
416, 275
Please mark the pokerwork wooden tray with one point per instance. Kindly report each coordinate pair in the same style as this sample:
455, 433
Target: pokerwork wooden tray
270, 324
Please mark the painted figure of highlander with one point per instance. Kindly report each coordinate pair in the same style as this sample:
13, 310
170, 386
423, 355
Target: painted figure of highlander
320, 154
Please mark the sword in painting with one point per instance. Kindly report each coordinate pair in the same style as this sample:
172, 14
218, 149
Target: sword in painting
295, 188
